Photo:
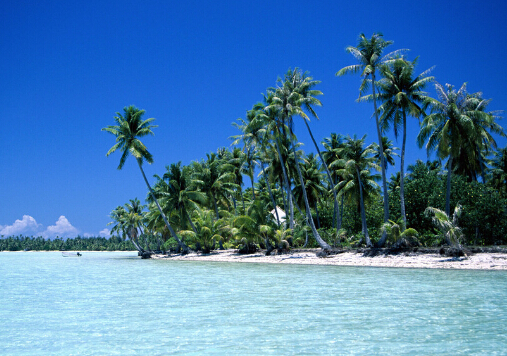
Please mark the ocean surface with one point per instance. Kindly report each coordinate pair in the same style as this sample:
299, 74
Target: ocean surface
108, 303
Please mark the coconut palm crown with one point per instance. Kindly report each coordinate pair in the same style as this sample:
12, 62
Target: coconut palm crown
130, 127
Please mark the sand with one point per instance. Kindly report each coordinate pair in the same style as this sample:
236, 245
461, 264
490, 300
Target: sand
479, 261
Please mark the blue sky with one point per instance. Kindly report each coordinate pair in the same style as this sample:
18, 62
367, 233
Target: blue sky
196, 66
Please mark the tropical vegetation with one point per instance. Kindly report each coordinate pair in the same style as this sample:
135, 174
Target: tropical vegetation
266, 192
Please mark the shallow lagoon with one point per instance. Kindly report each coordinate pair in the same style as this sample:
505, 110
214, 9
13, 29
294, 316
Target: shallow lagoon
116, 304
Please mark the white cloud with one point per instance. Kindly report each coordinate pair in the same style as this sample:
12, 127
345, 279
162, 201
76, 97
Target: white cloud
62, 228
25, 226
103, 233
106, 233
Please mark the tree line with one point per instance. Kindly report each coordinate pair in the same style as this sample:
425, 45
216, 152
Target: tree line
331, 198
30, 243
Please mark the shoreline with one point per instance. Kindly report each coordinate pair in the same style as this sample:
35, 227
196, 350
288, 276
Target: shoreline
477, 261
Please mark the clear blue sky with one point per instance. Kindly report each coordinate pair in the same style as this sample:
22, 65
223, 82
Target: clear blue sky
196, 66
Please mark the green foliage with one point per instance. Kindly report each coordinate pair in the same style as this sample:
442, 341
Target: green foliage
30, 243
398, 236
484, 217
449, 227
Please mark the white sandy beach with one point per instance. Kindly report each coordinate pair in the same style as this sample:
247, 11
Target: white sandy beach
482, 261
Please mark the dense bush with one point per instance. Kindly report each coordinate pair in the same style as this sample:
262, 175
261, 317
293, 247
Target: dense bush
484, 215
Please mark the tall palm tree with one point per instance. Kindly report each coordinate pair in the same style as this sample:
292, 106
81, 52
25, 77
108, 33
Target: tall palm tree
332, 145
277, 127
288, 102
401, 94
304, 85
448, 127
357, 161
236, 159
130, 127
369, 55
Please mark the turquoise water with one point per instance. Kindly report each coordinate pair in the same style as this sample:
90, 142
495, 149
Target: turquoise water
117, 304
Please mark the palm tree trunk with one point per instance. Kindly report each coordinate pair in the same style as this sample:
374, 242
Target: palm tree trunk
328, 174
402, 172
341, 208
190, 221
317, 213
323, 244
253, 188
363, 214
234, 202
287, 186
270, 193
243, 201
184, 247
448, 190
382, 163
138, 248
143, 233
280, 187
215, 205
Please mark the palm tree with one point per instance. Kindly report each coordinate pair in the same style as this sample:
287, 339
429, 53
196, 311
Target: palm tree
388, 150
369, 55
357, 162
447, 225
128, 220
178, 194
420, 169
449, 126
130, 127
236, 159
332, 145
124, 225
394, 182
215, 178
288, 102
472, 159
207, 231
304, 85
401, 94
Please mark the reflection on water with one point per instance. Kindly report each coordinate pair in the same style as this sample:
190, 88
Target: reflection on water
118, 304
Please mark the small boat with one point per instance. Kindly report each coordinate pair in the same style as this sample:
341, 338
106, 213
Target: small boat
71, 254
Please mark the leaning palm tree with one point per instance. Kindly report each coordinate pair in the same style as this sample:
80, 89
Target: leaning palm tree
288, 102
304, 85
448, 127
369, 55
130, 127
